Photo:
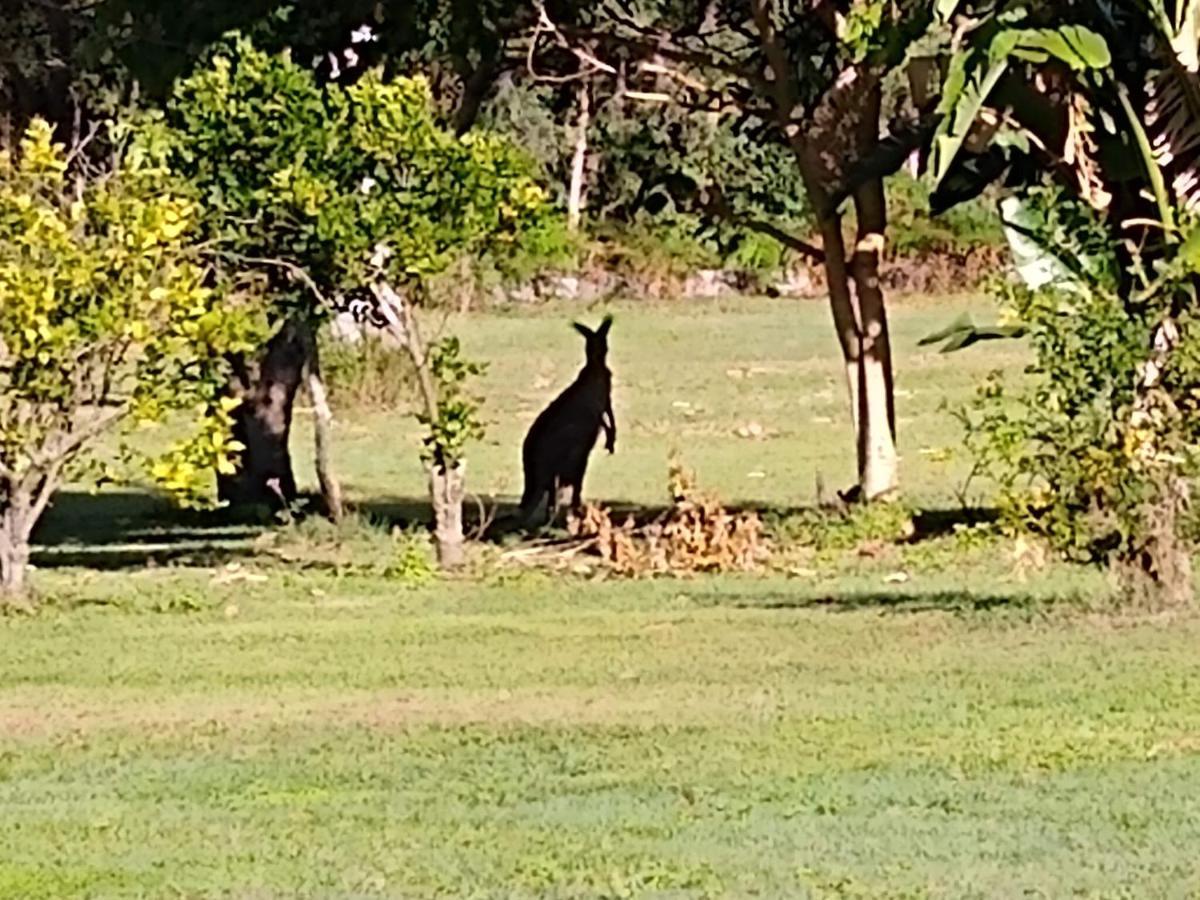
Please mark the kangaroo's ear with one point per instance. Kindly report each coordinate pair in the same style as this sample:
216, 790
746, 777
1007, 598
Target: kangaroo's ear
584, 330
604, 326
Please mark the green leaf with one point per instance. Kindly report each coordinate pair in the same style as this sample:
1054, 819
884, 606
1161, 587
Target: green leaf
1035, 263
962, 102
1190, 251
963, 323
963, 332
1078, 47
972, 79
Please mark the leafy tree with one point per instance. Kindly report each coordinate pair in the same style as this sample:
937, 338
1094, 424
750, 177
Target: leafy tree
108, 321
330, 189
1090, 114
806, 80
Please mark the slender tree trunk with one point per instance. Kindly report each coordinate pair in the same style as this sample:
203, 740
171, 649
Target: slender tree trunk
579, 159
876, 395
475, 89
331, 489
862, 332
447, 486
267, 387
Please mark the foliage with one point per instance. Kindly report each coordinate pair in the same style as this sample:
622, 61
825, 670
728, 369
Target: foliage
913, 231
367, 375
351, 186
1104, 102
1069, 448
347, 183
457, 422
108, 316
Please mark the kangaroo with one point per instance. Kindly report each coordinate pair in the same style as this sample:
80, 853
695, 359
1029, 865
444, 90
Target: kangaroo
556, 449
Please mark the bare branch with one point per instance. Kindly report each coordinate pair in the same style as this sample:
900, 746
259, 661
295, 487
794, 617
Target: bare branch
298, 272
588, 63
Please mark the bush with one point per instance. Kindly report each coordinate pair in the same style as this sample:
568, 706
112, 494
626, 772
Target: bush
914, 232
1088, 454
368, 375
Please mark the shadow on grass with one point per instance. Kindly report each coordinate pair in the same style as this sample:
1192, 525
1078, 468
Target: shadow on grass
935, 523
895, 602
116, 530
499, 515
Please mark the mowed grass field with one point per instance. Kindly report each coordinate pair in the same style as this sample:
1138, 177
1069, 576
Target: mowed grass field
206, 710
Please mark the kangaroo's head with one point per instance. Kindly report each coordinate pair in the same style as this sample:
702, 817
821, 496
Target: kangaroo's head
597, 341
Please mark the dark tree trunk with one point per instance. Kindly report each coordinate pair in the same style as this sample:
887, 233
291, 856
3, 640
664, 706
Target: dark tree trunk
476, 85
262, 424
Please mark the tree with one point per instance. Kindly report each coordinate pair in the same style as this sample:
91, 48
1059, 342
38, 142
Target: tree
109, 319
330, 189
808, 78
145, 46
1091, 114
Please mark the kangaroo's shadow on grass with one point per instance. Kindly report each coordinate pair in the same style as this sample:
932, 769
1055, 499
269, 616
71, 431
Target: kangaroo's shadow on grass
114, 530
493, 519
500, 515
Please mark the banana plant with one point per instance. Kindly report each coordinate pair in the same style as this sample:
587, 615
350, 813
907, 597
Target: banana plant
1098, 102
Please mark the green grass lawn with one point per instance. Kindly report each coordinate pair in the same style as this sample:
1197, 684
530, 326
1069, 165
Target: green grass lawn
686, 378
920, 721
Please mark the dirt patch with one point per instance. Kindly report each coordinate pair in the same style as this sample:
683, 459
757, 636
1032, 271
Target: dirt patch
40, 714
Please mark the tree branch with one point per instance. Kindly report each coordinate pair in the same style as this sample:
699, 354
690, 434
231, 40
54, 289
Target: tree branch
718, 206
291, 268
588, 63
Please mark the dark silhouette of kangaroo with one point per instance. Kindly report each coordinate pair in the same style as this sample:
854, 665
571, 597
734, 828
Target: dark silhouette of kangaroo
556, 450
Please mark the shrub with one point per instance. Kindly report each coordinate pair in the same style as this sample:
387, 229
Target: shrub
108, 320
1102, 434
370, 374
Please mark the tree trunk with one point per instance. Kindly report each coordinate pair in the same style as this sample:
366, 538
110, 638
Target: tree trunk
876, 418
16, 527
843, 128
862, 333
1157, 568
476, 85
579, 160
1158, 573
331, 489
267, 387
447, 487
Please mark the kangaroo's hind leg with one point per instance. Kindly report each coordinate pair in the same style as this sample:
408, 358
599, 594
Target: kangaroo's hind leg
555, 503
575, 481
538, 493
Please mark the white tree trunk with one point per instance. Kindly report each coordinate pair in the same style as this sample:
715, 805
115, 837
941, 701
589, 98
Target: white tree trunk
331, 489
878, 462
575, 199
874, 400
447, 487
15, 531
